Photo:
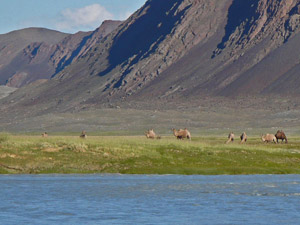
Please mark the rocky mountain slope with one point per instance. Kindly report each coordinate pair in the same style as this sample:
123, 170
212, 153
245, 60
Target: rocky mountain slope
174, 51
42, 58
135, 54
13, 44
254, 55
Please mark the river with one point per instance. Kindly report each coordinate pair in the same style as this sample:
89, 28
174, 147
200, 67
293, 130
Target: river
144, 199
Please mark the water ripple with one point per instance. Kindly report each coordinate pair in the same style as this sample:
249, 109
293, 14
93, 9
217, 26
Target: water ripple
138, 199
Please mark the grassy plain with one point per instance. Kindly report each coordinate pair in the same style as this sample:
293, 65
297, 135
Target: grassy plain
137, 155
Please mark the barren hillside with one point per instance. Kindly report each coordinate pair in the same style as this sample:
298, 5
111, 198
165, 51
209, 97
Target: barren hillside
195, 52
41, 57
13, 43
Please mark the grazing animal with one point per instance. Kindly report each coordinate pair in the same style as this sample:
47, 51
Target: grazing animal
230, 137
268, 138
243, 137
150, 134
181, 134
45, 134
83, 134
281, 135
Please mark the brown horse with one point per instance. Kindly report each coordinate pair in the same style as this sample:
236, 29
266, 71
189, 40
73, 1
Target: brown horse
281, 135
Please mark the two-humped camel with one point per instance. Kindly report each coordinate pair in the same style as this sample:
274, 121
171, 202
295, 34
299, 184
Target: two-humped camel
181, 134
281, 135
243, 137
230, 137
150, 134
268, 138
83, 134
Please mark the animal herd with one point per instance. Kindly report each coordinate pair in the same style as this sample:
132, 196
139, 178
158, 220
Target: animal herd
231, 137
184, 133
179, 134
280, 135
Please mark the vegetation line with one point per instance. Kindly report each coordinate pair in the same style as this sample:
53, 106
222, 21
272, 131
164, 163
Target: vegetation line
139, 155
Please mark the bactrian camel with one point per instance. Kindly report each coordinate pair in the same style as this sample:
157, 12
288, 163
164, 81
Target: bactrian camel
281, 135
181, 134
268, 138
151, 134
83, 134
243, 137
230, 137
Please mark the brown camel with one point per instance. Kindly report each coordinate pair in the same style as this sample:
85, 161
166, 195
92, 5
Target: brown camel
281, 135
181, 134
230, 137
150, 134
83, 134
243, 137
268, 138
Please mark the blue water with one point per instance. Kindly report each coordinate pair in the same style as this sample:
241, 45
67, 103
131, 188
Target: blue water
139, 199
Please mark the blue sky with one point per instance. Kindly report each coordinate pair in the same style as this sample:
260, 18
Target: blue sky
64, 15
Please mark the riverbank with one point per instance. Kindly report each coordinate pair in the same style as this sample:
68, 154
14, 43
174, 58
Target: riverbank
138, 155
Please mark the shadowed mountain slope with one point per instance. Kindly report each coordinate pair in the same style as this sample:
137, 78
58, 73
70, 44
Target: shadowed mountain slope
174, 51
12, 44
43, 58
255, 54
137, 52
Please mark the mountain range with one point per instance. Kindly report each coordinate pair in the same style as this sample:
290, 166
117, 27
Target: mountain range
33, 54
168, 53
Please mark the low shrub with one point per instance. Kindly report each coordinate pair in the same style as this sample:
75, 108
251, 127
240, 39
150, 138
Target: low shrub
4, 137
